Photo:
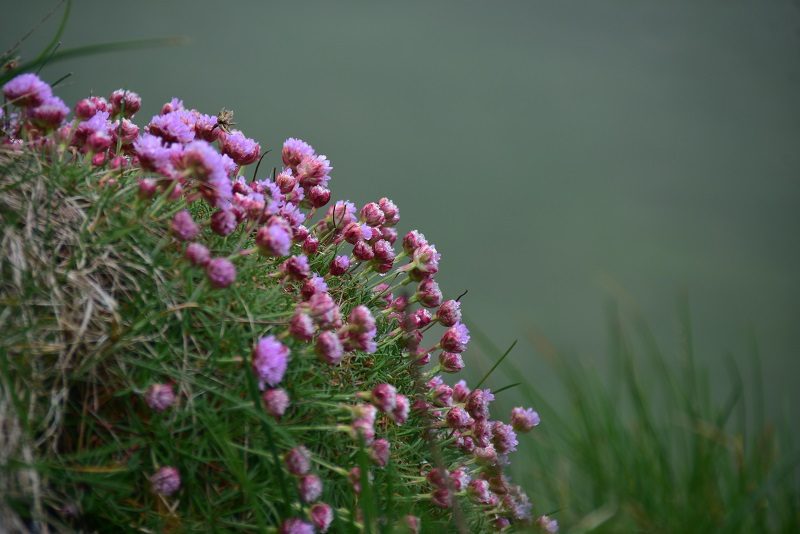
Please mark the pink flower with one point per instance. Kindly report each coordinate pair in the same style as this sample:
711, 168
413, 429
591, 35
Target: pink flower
274, 239
322, 516
309, 487
524, 419
315, 284
379, 452
372, 214
479, 490
285, 181
221, 272
442, 497
205, 127
460, 391
413, 240
241, 149
504, 438
478, 403
401, 408
429, 294
413, 524
50, 113
184, 227
147, 188
459, 478
159, 397
451, 362
87, 107
296, 267
293, 152
362, 251
166, 481
223, 222
174, 127
125, 102
324, 311
276, 401
390, 211
301, 327
547, 524
318, 196
384, 252
458, 418
298, 461
313, 170
27, 90
425, 261
296, 526
449, 313
455, 338
270, 359
384, 397
152, 154
329, 348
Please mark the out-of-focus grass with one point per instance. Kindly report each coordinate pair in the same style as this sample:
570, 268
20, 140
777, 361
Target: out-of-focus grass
644, 446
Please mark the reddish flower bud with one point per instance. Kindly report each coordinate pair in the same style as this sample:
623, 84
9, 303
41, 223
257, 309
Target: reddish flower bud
276, 401
372, 215
197, 254
298, 461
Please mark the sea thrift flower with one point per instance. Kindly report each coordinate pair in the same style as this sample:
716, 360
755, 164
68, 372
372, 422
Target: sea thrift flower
159, 397
477, 403
301, 326
270, 359
276, 401
147, 188
296, 526
372, 214
223, 222
311, 245
479, 490
379, 452
205, 127
413, 523
166, 481
221, 272
419, 319
313, 170
401, 408
451, 362
442, 497
458, 418
413, 240
322, 516
443, 395
460, 391
152, 154
383, 251
429, 294
319, 196
174, 127
274, 239
184, 227
384, 397
425, 262
504, 438
329, 348
324, 310
486, 455
459, 478
342, 213
27, 90
309, 487
241, 149
125, 102
362, 251
315, 284
524, 419
455, 339
449, 313
547, 524
293, 152
298, 461
296, 268
50, 113
86, 108
390, 212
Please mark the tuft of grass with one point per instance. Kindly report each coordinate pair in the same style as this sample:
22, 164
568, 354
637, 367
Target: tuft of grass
645, 445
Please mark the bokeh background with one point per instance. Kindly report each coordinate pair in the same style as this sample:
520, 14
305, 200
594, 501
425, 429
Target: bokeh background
559, 153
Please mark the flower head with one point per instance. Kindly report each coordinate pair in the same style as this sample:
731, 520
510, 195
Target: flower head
241, 149
221, 272
166, 481
270, 359
27, 90
276, 401
298, 461
322, 516
455, 338
159, 397
184, 227
524, 419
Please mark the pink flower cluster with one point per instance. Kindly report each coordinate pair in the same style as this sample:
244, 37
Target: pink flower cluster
192, 157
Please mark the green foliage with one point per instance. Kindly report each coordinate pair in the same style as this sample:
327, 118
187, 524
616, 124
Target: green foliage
648, 447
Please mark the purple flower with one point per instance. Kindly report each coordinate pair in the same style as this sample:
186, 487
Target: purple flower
329, 348
313, 170
504, 438
455, 338
390, 211
270, 359
451, 362
310, 245
477, 403
152, 154
166, 481
27, 90
286, 181
341, 214
125, 102
147, 188
309, 487
547, 524
221, 272
202, 162
293, 152
274, 239
205, 127
159, 397
175, 104
322, 516
184, 227
324, 311
384, 397
449, 313
223, 222
276, 401
298, 461
379, 452
413, 240
301, 327
50, 113
479, 490
125, 131
363, 252
401, 408
384, 252
296, 267
429, 294
296, 526
372, 214
241, 149
524, 419
425, 260
315, 284
460, 391
173, 127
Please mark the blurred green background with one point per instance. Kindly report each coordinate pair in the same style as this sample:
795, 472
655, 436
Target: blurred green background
559, 153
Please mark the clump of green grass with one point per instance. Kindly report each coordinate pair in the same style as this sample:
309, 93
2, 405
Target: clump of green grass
645, 445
